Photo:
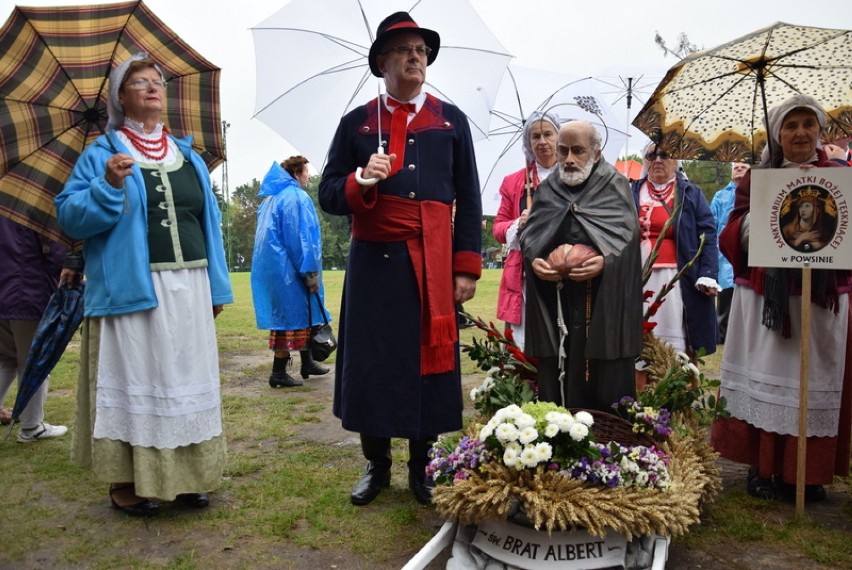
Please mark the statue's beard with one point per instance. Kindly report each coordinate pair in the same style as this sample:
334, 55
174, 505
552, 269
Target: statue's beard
575, 177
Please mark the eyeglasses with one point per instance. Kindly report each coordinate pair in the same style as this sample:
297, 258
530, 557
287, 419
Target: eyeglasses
145, 84
651, 156
406, 50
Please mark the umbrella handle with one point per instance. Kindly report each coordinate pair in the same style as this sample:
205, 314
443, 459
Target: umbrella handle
367, 181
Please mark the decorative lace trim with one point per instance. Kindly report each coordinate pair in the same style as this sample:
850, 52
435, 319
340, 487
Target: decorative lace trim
781, 419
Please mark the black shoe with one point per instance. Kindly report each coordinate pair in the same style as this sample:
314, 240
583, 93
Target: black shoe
813, 493
144, 508
760, 487
282, 379
421, 487
193, 500
371, 484
310, 367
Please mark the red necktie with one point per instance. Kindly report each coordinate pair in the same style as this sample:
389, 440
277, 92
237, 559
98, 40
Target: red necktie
399, 125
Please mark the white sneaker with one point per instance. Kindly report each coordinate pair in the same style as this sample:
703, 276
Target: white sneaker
44, 431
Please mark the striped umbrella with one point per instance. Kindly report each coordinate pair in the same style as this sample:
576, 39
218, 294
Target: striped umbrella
54, 66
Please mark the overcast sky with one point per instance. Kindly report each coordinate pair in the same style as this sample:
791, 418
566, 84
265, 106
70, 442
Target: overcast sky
606, 39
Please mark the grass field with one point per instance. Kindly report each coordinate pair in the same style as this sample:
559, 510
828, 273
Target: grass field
284, 501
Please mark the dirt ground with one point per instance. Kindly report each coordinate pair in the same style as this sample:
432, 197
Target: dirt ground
725, 554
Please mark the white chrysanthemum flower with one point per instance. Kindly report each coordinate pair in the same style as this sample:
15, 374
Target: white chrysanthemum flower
528, 435
682, 357
514, 445
564, 421
642, 479
506, 432
584, 418
544, 451
578, 431
510, 457
551, 430
529, 457
512, 411
552, 416
491, 372
524, 421
486, 432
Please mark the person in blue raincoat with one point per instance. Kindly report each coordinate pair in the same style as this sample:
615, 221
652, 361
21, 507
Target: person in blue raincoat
721, 206
287, 269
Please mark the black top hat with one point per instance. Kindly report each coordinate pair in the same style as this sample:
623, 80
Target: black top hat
394, 24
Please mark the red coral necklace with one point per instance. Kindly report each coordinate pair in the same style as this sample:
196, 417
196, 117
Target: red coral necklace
155, 149
663, 194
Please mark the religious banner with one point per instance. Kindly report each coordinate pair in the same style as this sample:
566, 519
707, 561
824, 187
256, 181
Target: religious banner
800, 218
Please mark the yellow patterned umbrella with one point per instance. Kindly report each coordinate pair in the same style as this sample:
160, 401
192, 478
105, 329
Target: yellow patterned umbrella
711, 105
54, 65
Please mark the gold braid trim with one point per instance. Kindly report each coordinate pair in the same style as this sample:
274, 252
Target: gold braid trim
554, 502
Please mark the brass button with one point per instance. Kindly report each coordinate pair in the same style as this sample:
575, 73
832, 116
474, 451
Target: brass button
410, 141
412, 195
411, 167
446, 123
366, 129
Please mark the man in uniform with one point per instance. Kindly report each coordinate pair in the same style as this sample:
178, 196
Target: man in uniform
397, 371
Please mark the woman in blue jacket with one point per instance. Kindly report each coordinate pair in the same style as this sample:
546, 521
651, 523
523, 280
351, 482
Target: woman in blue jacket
687, 317
286, 269
149, 412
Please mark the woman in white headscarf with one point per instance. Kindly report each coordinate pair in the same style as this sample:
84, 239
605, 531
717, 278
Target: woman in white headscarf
760, 368
516, 191
149, 418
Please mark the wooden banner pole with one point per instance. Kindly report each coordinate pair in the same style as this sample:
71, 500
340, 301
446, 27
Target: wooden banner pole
801, 451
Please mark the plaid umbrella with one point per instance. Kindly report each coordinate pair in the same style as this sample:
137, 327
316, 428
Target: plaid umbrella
54, 65
711, 105
62, 316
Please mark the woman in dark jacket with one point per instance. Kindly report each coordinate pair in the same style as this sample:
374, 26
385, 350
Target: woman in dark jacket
687, 317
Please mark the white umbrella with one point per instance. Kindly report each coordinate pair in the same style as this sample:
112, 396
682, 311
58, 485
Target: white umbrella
627, 88
312, 65
523, 91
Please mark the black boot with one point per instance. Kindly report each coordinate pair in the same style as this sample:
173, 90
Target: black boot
376, 477
310, 367
420, 485
279, 377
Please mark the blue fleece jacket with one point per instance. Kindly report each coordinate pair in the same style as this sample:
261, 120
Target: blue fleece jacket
113, 223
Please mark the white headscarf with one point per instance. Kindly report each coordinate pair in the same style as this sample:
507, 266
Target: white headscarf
776, 117
115, 111
534, 118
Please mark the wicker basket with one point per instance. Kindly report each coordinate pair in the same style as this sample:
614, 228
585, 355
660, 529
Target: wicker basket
608, 427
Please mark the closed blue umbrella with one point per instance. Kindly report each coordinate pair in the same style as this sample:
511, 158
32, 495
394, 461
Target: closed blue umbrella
60, 320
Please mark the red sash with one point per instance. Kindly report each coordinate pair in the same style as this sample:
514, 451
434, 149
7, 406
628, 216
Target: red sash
426, 227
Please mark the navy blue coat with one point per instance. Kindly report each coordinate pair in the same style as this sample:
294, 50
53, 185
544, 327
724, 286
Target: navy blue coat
29, 271
694, 219
379, 390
